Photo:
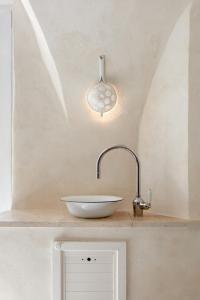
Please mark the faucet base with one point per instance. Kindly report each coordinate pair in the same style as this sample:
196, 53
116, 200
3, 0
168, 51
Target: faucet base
137, 211
139, 205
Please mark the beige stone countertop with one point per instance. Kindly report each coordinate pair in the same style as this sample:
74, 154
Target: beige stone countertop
58, 218
61, 218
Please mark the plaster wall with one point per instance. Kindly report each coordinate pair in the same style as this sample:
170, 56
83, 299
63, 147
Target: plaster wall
55, 155
5, 109
163, 138
169, 132
162, 262
55, 53
194, 112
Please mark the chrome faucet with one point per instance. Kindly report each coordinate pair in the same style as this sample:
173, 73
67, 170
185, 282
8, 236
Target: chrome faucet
138, 204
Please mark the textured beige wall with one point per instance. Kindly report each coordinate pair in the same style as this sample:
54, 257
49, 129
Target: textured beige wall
163, 139
5, 108
194, 112
169, 133
162, 263
54, 156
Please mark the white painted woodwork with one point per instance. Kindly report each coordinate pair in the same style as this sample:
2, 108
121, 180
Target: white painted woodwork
89, 268
90, 296
89, 271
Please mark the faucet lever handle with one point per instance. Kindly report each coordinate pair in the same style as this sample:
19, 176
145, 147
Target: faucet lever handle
149, 197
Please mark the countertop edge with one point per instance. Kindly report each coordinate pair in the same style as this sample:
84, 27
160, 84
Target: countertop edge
37, 218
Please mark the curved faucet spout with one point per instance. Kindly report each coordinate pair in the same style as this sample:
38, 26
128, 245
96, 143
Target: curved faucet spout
132, 153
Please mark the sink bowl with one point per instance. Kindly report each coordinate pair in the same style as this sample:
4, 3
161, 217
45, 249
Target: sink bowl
97, 206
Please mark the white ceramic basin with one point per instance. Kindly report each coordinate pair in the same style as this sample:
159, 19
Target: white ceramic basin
97, 206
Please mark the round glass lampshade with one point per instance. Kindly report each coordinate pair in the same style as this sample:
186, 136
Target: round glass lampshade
102, 97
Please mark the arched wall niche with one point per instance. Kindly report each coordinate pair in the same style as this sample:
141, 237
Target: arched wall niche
169, 131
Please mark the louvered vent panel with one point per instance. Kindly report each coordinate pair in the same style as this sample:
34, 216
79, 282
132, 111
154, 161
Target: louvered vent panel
89, 275
90, 271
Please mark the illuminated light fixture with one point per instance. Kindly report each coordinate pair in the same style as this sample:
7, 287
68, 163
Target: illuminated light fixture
102, 97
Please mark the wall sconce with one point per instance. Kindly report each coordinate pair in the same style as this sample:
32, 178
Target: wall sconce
102, 97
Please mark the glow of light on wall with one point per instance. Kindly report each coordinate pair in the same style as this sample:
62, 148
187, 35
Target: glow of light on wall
108, 116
